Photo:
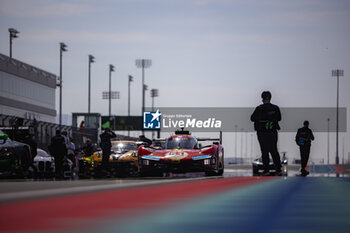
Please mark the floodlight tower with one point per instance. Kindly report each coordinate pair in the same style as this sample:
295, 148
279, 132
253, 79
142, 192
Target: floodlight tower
143, 63
131, 78
13, 34
337, 73
63, 48
111, 69
91, 60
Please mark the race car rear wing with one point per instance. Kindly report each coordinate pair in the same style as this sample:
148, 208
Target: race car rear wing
198, 139
211, 139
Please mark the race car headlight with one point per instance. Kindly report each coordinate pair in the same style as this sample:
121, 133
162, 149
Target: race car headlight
145, 162
201, 157
151, 157
6, 152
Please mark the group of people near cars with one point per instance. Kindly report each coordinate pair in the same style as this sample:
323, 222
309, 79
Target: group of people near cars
266, 117
62, 147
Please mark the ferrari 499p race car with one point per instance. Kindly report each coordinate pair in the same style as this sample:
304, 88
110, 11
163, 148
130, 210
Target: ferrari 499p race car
182, 154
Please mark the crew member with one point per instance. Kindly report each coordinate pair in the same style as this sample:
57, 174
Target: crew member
266, 117
30, 140
66, 138
88, 148
106, 146
303, 139
148, 141
71, 150
58, 150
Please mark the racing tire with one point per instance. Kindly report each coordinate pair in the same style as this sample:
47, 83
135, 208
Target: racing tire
222, 165
218, 171
255, 172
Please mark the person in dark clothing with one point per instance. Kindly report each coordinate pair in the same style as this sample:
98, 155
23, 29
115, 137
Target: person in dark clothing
89, 148
58, 150
29, 139
303, 139
266, 117
148, 141
106, 146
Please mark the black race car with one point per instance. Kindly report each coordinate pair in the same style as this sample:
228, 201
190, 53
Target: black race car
258, 166
15, 157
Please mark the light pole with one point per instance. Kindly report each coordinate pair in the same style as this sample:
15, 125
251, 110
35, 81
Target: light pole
131, 78
246, 145
337, 73
251, 146
236, 144
143, 63
242, 132
13, 34
91, 60
343, 150
111, 69
63, 48
154, 93
328, 140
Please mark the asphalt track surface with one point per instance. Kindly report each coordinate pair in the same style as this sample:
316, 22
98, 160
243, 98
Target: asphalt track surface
178, 204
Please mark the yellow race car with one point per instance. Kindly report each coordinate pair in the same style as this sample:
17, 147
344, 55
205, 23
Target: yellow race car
123, 160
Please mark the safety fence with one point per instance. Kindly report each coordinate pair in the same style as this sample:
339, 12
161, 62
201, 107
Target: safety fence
18, 128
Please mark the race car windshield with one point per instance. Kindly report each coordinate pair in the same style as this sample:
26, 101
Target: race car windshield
181, 143
123, 147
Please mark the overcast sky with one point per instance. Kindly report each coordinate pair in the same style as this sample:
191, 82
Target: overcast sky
218, 53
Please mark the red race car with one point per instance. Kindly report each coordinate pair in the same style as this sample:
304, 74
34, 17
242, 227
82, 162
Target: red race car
182, 153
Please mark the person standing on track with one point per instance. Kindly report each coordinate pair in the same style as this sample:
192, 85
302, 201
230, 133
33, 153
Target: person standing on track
266, 117
303, 139
106, 146
58, 150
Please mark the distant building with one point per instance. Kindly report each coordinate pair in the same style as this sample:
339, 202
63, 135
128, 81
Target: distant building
26, 91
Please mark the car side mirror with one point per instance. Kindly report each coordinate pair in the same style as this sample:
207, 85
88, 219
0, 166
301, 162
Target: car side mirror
3, 138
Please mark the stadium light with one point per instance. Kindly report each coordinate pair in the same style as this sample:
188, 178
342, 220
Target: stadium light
63, 48
337, 73
143, 63
111, 69
91, 60
13, 34
130, 79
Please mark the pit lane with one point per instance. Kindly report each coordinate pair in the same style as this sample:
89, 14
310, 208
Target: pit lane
12, 190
